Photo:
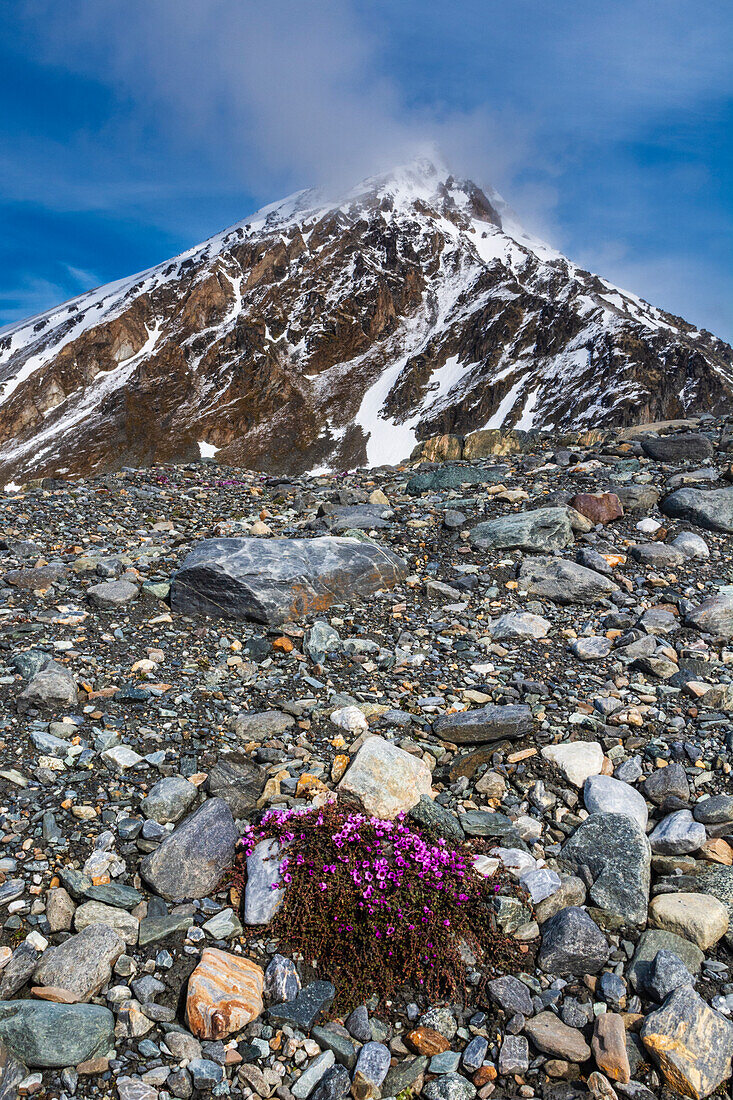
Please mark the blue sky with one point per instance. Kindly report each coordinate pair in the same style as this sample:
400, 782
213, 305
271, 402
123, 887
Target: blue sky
131, 129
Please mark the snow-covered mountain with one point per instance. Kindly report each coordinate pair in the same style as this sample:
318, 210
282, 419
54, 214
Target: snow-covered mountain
332, 334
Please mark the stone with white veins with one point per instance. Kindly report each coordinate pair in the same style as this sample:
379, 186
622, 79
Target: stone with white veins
677, 834
563, 582
264, 892
279, 579
603, 794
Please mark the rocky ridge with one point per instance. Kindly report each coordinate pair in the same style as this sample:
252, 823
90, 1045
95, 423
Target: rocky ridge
566, 694
353, 328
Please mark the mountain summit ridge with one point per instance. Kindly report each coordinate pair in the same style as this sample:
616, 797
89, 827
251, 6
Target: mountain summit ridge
330, 333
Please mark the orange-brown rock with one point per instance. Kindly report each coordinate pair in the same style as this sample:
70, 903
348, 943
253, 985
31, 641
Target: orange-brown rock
484, 1074
339, 765
55, 993
609, 1047
598, 507
717, 850
224, 994
426, 1040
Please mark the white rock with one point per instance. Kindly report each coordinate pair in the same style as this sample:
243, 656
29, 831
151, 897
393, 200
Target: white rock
540, 883
605, 795
350, 718
121, 757
386, 779
515, 860
691, 545
648, 526
486, 865
576, 759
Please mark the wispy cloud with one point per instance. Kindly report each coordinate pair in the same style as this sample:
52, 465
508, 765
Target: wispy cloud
566, 107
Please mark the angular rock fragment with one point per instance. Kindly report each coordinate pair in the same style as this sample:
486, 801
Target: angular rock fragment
191, 860
563, 582
692, 1044
492, 723
386, 779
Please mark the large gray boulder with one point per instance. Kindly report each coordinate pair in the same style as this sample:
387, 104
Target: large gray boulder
44, 1034
563, 581
615, 849
687, 447
452, 477
274, 580
191, 860
708, 508
539, 530
492, 723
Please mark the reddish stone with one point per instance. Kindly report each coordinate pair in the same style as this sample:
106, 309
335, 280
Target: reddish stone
425, 1040
598, 507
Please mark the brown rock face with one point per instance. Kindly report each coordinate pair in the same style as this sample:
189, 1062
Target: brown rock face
320, 333
609, 1047
425, 1040
224, 994
598, 507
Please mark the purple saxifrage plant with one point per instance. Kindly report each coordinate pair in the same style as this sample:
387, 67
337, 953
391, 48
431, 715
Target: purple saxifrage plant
379, 905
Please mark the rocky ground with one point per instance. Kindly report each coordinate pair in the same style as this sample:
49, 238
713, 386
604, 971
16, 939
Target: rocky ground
533, 648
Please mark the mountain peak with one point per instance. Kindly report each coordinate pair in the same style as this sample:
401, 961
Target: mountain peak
328, 332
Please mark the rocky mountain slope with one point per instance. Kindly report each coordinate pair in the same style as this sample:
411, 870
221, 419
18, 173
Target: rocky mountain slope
323, 334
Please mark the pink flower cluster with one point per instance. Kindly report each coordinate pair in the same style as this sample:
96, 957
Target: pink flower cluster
382, 859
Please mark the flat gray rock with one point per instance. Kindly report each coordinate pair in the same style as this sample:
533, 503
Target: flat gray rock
274, 580
452, 477
191, 860
516, 625
686, 447
563, 581
111, 594
83, 963
537, 531
711, 509
44, 1034
492, 723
